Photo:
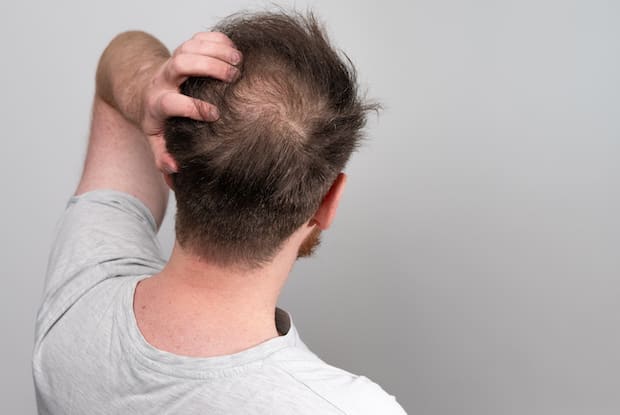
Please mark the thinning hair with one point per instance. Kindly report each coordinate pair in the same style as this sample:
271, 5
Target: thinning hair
287, 127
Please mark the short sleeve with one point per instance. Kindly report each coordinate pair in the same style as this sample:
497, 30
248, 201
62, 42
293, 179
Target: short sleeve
102, 234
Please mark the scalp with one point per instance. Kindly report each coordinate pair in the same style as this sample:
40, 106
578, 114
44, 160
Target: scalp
287, 127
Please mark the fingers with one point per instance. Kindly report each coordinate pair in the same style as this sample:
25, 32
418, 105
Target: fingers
173, 104
182, 66
216, 37
211, 55
220, 51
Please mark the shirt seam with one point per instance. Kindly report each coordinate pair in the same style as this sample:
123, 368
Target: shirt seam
310, 388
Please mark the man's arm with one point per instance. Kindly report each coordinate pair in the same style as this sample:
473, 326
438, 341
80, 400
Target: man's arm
136, 90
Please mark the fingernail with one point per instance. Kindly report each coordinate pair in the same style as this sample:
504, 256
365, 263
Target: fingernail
215, 114
235, 58
234, 74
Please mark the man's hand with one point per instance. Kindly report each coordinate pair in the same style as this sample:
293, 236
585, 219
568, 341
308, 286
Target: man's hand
137, 90
207, 55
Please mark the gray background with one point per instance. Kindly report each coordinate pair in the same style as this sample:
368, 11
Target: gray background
474, 267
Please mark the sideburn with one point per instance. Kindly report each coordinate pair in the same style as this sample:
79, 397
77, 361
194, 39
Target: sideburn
310, 244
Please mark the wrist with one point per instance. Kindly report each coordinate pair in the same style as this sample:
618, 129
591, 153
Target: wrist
126, 67
137, 97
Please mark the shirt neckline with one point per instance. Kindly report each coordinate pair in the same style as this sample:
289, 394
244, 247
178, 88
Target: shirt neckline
197, 367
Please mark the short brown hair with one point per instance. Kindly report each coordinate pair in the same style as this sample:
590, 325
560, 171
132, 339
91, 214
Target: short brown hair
287, 127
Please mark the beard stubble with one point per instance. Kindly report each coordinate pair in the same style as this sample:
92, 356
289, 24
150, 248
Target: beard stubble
310, 244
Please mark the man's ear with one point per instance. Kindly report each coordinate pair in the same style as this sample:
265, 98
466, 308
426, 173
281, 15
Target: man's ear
166, 163
168, 180
327, 210
163, 160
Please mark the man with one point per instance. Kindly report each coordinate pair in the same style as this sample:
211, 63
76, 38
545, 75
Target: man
251, 126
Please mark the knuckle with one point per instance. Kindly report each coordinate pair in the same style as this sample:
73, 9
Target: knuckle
219, 37
177, 63
214, 37
206, 47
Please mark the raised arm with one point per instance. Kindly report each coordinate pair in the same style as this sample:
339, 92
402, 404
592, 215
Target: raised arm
136, 90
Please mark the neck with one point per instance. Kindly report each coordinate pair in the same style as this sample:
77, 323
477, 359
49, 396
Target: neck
201, 309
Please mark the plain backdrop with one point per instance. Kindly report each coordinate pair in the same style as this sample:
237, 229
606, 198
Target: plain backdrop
474, 266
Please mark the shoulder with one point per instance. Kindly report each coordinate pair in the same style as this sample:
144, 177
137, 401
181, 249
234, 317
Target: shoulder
349, 393
101, 235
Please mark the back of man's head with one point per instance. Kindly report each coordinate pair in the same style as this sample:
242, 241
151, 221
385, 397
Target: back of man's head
287, 127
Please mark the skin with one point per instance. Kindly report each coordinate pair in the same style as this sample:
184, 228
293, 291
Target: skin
192, 307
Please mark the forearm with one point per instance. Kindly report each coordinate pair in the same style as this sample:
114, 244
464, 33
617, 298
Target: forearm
119, 156
126, 67
137, 89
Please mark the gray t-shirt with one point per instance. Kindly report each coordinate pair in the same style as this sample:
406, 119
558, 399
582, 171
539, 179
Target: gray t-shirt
90, 357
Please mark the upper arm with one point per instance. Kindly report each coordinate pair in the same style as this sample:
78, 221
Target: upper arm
102, 234
119, 158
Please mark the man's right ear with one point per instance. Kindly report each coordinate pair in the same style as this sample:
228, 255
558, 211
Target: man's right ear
327, 210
